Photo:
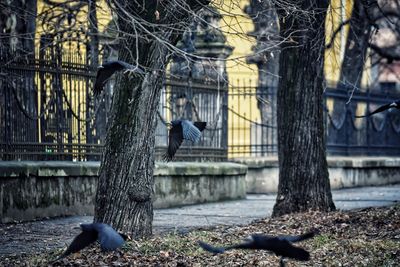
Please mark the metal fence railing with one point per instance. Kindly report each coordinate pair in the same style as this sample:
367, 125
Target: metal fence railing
253, 132
378, 135
48, 112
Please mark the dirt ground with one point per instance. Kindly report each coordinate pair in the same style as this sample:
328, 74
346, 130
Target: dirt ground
366, 237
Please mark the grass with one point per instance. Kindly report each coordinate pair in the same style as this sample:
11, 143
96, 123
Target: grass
369, 237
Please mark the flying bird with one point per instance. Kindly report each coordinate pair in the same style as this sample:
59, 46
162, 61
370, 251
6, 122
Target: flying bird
182, 129
105, 71
108, 238
280, 245
395, 104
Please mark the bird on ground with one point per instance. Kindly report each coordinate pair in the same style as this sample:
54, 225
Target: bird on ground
105, 71
180, 130
395, 104
280, 245
108, 238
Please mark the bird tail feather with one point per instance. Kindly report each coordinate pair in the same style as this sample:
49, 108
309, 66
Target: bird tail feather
210, 248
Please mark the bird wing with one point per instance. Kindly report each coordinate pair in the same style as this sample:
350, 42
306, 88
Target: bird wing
201, 125
103, 74
105, 71
380, 109
174, 142
285, 249
81, 241
190, 132
210, 248
297, 238
109, 239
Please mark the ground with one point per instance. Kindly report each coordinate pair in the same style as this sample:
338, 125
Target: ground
44, 236
364, 237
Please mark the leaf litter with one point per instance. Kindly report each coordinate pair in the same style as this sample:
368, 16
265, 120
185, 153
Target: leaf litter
366, 237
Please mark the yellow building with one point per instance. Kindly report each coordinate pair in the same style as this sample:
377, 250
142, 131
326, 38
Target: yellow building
235, 24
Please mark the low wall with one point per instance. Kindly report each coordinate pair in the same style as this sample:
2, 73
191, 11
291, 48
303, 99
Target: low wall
30, 190
263, 173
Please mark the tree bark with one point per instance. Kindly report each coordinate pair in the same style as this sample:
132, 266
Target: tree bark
356, 47
303, 170
125, 190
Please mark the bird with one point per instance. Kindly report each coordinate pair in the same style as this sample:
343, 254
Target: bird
395, 104
105, 71
108, 238
280, 245
180, 130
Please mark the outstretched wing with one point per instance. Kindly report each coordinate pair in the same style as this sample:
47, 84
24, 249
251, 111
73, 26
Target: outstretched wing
105, 71
103, 74
285, 249
174, 142
201, 125
190, 131
81, 241
109, 239
297, 238
210, 248
380, 109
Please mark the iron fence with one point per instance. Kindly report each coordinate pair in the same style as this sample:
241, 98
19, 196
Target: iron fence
251, 135
196, 101
48, 111
252, 121
377, 135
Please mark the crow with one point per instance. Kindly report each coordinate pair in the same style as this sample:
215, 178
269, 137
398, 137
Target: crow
106, 70
280, 245
182, 129
395, 104
108, 238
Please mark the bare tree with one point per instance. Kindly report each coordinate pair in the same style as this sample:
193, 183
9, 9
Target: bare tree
373, 25
303, 170
149, 31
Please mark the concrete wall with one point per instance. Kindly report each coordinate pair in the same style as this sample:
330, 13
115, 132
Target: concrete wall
30, 190
263, 173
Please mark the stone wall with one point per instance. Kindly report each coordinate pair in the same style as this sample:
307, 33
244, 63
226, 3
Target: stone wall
263, 173
30, 190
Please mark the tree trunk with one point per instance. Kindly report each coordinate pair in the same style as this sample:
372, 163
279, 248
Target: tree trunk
356, 48
17, 46
125, 190
352, 69
303, 170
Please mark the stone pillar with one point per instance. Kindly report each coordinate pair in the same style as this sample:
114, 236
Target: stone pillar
266, 57
202, 66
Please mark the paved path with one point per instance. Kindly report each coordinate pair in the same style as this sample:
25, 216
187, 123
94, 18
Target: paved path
49, 234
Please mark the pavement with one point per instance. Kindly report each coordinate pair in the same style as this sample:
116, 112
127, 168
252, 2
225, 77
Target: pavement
46, 235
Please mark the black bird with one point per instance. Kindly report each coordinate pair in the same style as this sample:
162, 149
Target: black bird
108, 238
105, 71
182, 129
280, 245
395, 104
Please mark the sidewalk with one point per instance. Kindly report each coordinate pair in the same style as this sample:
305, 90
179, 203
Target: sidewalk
45, 235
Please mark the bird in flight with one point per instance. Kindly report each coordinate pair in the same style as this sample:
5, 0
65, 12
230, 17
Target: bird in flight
395, 104
180, 130
280, 245
108, 238
105, 71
